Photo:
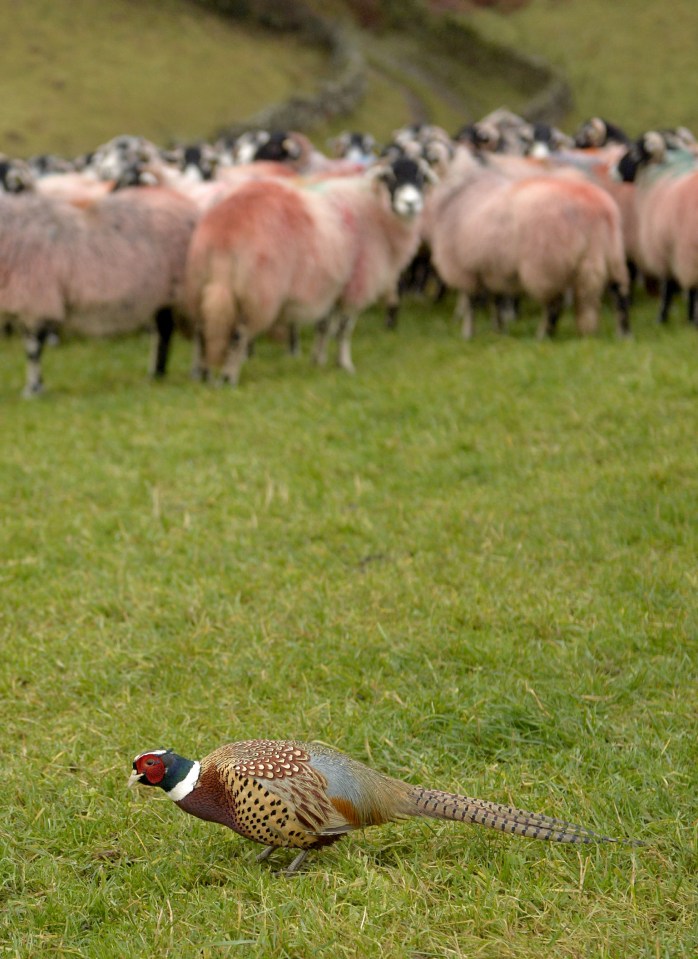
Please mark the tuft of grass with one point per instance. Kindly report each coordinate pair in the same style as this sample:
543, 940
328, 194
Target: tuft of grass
470, 565
627, 61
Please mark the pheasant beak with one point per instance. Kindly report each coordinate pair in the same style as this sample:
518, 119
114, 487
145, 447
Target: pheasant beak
134, 779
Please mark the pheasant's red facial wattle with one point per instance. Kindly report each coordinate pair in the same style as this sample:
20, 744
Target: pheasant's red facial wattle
152, 767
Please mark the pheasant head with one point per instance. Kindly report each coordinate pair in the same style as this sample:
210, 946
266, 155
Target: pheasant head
166, 769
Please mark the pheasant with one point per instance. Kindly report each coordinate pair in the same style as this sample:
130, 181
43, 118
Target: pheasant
306, 795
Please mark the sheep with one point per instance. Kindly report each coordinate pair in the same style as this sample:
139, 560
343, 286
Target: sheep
666, 197
116, 163
432, 145
110, 159
279, 146
79, 188
500, 131
103, 269
15, 175
598, 165
295, 151
197, 162
597, 132
540, 236
505, 132
354, 146
276, 252
43, 163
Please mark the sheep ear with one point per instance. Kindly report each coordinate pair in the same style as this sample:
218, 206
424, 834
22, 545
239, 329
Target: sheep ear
292, 147
430, 175
379, 171
655, 145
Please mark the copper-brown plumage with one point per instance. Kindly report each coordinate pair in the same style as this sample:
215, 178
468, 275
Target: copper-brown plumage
305, 795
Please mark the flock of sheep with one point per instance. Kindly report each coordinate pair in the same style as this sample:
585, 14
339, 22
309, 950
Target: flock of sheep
230, 241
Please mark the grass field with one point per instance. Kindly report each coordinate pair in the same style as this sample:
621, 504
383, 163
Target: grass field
471, 565
628, 62
75, 74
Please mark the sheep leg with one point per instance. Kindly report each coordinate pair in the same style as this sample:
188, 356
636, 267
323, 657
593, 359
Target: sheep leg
392, 306
199, 370
347, 322
587, 316
464, 314
34, 342
294, 342
622, 304
633, 273
322, 335
505, 311
164, 328
551, 316
668, 291
439, 287
236, 356
693, 305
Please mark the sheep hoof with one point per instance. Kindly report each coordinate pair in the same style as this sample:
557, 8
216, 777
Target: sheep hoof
31, 392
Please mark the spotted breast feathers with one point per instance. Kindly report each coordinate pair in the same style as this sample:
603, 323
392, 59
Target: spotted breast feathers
275, 795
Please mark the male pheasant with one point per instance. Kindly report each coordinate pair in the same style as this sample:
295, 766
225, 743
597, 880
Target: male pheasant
305, 795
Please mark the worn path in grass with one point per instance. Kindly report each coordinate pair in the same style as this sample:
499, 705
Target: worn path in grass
472, 565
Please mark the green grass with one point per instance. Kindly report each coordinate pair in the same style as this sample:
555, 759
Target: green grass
630, 61
472, 565
75, 74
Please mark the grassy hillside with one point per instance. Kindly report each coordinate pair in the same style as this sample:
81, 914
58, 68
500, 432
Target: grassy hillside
75, 74
472, 565
633, 62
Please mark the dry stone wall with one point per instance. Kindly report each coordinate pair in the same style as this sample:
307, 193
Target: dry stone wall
343, 91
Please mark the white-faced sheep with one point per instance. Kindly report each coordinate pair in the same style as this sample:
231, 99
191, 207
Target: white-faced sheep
541, 236
108, 268
275, 252
666, 196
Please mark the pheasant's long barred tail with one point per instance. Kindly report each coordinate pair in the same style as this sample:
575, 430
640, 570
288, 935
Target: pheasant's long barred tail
443, 805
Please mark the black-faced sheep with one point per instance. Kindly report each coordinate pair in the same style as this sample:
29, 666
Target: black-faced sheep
275, 252
666, 196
